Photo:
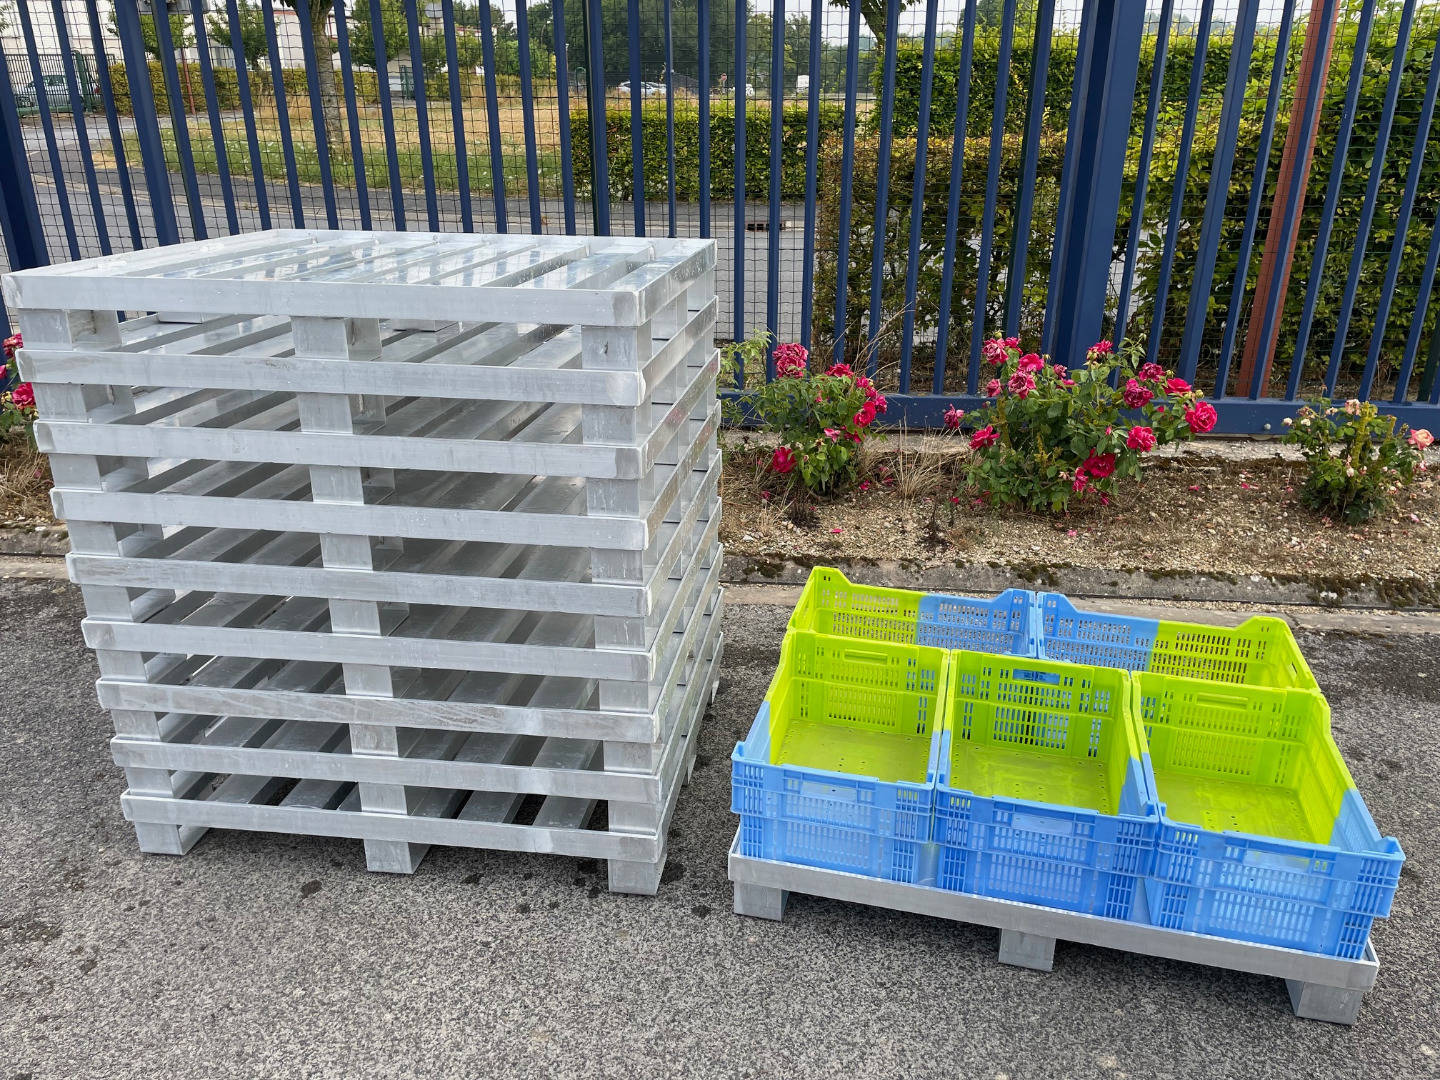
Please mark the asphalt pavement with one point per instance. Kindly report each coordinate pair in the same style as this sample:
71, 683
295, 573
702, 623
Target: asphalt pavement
271, 956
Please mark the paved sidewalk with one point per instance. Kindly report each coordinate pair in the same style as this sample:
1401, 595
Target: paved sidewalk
260, 956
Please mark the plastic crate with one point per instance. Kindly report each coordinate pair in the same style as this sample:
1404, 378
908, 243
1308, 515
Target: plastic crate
1042, 794
1261, 651
838, 769
1263, 834
831, 604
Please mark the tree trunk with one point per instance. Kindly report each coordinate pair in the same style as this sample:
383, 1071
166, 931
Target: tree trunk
325, 71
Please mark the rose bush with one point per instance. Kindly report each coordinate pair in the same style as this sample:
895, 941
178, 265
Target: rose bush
822, 416
1052, 436
1356, 459
17, 399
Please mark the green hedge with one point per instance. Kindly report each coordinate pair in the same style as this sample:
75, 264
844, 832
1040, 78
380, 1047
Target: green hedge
1156, 214
227, 88
794, 120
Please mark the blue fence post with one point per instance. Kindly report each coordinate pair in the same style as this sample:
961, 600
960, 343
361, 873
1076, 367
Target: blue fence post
1104, 97
147, 124
19, 214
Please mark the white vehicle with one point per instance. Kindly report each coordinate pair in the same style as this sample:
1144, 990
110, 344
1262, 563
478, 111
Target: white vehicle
647, 89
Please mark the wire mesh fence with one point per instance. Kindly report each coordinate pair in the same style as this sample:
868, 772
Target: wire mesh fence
883, 181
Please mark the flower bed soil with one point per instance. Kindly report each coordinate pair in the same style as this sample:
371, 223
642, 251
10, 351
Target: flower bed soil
1208, 511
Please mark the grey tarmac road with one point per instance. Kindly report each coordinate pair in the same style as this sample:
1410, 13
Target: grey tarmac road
269, 956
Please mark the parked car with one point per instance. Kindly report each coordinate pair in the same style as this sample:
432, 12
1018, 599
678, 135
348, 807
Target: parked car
647, 89
57, 94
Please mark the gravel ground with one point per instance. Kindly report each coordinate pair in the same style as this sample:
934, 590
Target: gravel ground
268, 956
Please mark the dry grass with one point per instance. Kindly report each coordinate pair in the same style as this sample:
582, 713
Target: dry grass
24, 484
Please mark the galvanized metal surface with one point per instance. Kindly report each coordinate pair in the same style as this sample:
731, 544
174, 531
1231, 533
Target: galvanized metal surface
1321, 987
361, 564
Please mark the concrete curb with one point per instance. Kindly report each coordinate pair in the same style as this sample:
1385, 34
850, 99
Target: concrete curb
34, 542
1096, 583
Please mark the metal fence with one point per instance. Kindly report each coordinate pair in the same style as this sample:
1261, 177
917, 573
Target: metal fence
1245, 190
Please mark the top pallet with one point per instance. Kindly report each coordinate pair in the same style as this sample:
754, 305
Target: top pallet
593, 281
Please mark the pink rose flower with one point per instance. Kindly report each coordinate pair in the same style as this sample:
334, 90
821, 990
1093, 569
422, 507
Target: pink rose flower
841, 370
791, 360
986, 436
953, 416
1201, 417
1136, 394
994, 351
1078, 484
1012, 342
880, 403
1151, 373
782, 461
1099, 466
22, 395
1030, 362
11, 343
992, 388
1060, 371
1141, 438
1177, 386
1101, 347
832, 433
865, 416
1420, 438
1021, 383
1067, 383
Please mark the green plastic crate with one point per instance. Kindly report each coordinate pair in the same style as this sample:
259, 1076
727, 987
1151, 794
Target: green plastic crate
838, 768
1041, 794
831, 604
1263, 834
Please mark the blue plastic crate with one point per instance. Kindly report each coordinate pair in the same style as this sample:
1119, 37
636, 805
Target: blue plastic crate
843, 700
1045, 724
1231, 762
1006, 624
1261, 651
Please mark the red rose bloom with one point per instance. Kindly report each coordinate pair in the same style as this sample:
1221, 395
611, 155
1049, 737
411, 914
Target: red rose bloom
1099, 467
791, 360
840, 370
986, 436
22, 395
866, 414
1030, 362
992, 388
1101, 347
1150, 373
953, 416
1021, 383
1136, 394
1141, 438
783, 460
1177, 386
1201, 417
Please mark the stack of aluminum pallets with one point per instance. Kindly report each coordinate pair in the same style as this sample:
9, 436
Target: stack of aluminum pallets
405, 537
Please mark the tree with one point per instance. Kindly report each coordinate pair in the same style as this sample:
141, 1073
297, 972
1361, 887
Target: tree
393, 26
180, 35
252, 32
324, 53
615, 38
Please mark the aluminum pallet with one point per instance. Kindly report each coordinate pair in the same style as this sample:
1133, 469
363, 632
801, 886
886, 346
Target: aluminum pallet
1321, 987
405, 537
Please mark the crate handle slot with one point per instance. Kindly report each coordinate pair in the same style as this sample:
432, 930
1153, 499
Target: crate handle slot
860, 656
1037, 823
1216, 697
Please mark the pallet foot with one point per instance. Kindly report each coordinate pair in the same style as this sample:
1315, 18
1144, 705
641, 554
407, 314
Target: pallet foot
393, 856
1315, 1001
158, 839
1027, 950
637, 878
760, 901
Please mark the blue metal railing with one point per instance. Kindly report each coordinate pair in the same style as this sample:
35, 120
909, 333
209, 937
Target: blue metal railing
900, 260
